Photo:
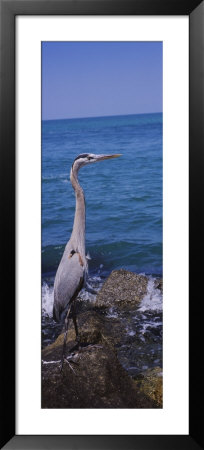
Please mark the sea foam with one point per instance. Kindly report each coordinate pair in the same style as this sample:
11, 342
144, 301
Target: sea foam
152, 301
47, 299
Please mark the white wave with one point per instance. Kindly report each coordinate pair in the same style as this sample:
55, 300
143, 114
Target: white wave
61, 176
96, 279
84, 295
47, 299
131, 332
147, 326
152, 301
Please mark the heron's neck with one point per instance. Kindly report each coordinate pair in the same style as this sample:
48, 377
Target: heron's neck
78, 232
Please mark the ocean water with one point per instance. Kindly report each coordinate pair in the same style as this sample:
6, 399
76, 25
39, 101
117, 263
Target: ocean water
123, 201
123, 195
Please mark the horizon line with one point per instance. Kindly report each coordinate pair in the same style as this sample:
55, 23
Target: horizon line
101, 117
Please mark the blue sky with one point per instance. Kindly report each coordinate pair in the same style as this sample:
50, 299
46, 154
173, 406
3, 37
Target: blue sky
88, 79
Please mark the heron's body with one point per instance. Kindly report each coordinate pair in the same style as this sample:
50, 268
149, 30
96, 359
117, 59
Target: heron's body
73, 268
68, 281
72, 272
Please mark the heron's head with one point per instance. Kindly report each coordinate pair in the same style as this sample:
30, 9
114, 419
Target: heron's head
89, 158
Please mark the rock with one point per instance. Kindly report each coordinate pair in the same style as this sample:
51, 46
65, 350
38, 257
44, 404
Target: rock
93, 329
122, 288
159, 284
151, 384
95, 378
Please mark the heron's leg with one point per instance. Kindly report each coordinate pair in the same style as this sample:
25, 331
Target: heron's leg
75, 319
66, 324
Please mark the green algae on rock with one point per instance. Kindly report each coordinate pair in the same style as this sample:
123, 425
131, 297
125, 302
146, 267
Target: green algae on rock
151, 384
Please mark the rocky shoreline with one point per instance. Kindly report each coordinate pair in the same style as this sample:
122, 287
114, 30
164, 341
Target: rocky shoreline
95, 378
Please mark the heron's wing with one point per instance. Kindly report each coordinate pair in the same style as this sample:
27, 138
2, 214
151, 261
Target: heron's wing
68, 281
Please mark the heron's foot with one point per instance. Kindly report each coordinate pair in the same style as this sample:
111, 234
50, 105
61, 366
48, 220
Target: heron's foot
69, 359
75, 347
70, 365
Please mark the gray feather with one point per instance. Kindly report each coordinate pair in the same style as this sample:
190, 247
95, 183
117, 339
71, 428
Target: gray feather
68, 281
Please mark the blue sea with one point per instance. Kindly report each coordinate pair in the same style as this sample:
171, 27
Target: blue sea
123, 195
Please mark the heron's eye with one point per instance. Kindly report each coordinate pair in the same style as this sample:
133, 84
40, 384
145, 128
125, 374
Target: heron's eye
90, 157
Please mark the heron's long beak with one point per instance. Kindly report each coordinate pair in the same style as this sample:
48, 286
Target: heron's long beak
102, 157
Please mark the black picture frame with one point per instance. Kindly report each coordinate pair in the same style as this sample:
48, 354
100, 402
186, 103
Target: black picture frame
9, 9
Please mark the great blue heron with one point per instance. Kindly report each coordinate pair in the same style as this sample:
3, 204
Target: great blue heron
72, 272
